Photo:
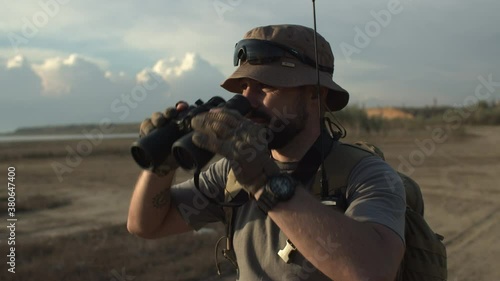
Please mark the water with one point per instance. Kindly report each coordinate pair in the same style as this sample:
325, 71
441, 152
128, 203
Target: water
62, 137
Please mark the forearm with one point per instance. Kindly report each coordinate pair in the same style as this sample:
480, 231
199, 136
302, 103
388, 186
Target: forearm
342, 248
150, 203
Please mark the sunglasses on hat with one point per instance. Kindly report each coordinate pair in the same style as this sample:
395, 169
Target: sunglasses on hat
255, 51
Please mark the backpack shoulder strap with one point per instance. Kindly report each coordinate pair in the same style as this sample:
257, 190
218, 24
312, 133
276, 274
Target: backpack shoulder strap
414, 198
339, 164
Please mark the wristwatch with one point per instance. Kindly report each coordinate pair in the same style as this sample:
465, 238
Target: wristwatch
279, 188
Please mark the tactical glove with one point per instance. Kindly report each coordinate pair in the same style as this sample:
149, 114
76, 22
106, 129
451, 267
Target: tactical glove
157, 120
241, 141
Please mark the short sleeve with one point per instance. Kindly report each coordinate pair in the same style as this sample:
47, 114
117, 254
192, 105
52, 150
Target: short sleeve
375, 193
193, 204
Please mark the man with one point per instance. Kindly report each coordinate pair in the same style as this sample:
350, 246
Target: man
277, 74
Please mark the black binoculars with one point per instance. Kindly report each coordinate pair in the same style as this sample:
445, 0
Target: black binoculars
150, 151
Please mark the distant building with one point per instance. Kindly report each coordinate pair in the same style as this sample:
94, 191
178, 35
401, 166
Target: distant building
388, 113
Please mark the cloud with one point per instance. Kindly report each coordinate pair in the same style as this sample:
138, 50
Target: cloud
189, 78
18, 81
167, 69
74, 89
429, 49
64, 76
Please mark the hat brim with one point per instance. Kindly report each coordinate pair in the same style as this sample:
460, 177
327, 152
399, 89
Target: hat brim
277, 75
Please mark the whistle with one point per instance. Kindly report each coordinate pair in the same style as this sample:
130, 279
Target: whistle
285, 252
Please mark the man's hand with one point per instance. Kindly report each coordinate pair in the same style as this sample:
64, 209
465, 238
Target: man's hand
241, 141
157, 120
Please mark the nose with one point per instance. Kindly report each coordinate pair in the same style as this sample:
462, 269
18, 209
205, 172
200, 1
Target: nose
252, 90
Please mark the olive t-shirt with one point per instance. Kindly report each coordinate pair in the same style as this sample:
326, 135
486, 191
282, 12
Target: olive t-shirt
371, 197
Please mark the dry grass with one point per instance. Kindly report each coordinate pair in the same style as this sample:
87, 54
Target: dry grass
105, 248
96, 254
39, 202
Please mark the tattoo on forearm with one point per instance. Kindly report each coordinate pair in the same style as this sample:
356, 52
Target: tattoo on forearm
160, 200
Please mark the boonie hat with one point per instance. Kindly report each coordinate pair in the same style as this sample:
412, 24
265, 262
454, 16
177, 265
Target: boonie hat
260, 59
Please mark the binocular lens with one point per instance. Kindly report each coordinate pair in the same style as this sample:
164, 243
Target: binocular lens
188, 155
141, 157
188, 162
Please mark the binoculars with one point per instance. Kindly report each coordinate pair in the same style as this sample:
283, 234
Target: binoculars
150, 151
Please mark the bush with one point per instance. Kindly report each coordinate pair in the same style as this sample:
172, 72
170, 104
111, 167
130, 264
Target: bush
358, 122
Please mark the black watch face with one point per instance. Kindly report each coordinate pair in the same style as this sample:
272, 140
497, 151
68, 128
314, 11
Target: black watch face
282, 186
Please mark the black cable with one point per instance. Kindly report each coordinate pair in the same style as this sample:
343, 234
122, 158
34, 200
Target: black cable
324, 179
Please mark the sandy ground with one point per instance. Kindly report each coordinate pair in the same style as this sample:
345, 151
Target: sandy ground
460, 184
459, 180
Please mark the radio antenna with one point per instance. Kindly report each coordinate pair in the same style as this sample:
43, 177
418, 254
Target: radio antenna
324, 179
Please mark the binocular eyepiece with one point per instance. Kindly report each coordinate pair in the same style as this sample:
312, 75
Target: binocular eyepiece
150, 151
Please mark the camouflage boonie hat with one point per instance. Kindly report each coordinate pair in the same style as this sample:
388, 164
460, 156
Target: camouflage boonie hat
290, 71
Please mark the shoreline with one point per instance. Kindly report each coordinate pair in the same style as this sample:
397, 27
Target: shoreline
62, 137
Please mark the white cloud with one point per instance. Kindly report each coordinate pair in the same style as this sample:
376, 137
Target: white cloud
39, 55
16, 62
189, 78
60, 76
173, 68
74, 89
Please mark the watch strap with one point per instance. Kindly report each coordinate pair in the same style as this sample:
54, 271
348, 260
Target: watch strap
266, 200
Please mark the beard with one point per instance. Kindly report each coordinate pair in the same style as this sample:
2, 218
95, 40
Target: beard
280, 138
281, 132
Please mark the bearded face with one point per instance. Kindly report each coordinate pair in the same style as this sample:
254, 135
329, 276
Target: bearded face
282, 131
280, 138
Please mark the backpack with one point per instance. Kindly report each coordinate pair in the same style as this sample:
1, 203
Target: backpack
425, 255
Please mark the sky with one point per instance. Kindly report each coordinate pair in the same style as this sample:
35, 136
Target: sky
75, 61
